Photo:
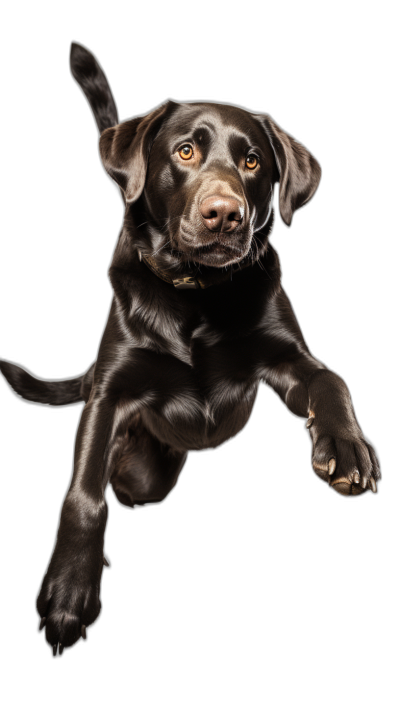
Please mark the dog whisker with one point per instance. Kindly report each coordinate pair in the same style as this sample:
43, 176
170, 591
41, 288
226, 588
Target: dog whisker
161, 248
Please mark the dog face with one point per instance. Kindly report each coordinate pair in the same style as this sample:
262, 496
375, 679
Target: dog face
205, 174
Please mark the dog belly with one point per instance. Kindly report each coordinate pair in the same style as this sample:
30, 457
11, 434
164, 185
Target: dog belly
193, 424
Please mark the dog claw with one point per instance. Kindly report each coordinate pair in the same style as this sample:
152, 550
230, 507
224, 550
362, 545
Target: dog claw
356, 477
42, 623
83, 632
60, 649
373, 485
364, 482
311, 417
331, 466
105, 561
55, 649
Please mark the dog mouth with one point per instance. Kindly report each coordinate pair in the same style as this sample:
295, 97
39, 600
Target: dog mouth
218, 253
216, 249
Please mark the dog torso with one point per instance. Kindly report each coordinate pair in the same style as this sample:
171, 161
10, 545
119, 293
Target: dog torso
200, 354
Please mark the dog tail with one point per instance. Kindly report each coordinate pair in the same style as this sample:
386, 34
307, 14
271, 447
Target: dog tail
92, 80
57, 393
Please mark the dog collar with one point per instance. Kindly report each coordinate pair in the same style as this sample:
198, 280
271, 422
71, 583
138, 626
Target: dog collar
192, 281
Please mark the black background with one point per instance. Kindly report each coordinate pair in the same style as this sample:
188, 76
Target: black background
250, 534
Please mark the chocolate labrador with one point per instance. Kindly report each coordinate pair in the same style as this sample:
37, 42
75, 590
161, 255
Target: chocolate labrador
199, 318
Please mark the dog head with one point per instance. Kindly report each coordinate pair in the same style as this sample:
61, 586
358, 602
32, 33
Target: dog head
203, 176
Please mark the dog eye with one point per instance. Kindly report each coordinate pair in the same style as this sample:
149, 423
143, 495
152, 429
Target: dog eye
186, 152
251, 161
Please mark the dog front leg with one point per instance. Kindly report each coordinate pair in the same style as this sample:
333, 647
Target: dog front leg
340, 455
69, 597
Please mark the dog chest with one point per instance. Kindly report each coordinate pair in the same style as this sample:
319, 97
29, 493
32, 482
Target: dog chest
206, 402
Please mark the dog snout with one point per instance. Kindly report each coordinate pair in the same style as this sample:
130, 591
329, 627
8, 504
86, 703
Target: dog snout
221, 213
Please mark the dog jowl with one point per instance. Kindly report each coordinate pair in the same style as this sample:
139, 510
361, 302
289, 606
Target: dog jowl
199, 318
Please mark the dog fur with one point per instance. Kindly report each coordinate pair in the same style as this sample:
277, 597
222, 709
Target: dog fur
199, 318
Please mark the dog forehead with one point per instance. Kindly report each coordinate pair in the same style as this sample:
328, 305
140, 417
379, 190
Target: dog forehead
220, 120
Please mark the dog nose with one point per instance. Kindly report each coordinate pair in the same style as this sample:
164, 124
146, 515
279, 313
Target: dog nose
221, 213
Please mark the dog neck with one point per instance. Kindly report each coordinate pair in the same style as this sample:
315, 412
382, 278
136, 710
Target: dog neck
195, 280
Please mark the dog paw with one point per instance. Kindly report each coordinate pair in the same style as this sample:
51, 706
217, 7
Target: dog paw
69, 602
349, 465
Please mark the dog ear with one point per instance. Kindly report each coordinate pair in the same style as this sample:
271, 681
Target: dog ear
125, 149
299, 172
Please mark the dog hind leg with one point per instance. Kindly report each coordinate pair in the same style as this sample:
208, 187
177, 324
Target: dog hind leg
146, 470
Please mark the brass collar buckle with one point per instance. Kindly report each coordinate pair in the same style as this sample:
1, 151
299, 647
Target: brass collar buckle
186, 282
